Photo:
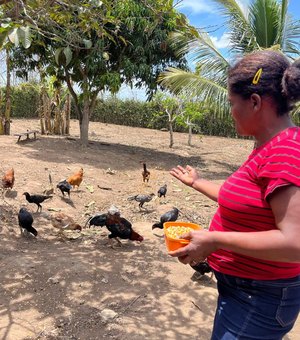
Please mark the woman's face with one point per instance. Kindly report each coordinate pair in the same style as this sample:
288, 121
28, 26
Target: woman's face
242, 114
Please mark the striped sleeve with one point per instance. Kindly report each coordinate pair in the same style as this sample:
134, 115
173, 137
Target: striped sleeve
280, 166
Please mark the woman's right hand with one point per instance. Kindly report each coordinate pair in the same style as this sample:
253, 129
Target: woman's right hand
187, 175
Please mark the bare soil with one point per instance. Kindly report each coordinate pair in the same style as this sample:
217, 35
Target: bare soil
81, 288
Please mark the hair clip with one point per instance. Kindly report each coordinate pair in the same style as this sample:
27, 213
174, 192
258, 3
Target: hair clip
257, 76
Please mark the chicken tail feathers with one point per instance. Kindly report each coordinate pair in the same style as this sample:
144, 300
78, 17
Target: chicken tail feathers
131, 198
97, 220
88, 222
32, 230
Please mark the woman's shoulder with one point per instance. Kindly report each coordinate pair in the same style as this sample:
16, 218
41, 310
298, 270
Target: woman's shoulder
287, 138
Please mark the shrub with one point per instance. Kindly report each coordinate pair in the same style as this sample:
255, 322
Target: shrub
25, 101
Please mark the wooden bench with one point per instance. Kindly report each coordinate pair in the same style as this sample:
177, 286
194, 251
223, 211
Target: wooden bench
27, 134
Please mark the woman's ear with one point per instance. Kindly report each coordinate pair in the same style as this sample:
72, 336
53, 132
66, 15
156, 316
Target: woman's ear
256, 101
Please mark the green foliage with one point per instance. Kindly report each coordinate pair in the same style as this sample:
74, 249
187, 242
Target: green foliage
25, 100
25, 104
126, 112
99, 45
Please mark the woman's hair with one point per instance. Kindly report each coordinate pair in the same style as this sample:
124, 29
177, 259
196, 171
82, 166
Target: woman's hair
267, 73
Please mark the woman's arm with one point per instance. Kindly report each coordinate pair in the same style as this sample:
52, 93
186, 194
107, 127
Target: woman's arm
281, 245
190, 177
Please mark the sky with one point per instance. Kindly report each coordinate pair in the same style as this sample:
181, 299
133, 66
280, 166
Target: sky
204, 14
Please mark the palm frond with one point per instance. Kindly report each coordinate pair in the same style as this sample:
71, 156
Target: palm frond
290, 40
266, 24
265, 18
202, 88
241, 35
202, 51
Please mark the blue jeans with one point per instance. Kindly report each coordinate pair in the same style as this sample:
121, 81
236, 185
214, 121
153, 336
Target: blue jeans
251, 309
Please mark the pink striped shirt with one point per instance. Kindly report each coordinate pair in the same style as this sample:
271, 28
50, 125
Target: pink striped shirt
244, 207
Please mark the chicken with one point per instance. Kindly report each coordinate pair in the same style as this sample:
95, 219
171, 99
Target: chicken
49, 190
118, 226
64, 186
169, 216
98, 220
203, 268
162, 191
25, 222
76, 179
8, 179
145, 173
63, 222
141, 199
37, 199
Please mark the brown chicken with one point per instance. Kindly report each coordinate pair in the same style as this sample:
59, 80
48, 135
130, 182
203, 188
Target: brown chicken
50, 189
76, 179
64, 222
145, 173
8, 179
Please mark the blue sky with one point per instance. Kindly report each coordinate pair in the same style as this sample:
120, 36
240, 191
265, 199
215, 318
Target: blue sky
204, 14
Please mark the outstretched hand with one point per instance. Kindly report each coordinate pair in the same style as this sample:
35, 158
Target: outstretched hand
187, 175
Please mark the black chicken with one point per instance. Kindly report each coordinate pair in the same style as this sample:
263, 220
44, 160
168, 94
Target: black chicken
25, 222
141, 198
98, 220
118, 226
169, 216
37, 199
162, 191
64, 186
202, 268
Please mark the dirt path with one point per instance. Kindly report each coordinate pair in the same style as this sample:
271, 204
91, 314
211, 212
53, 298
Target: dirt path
83, 289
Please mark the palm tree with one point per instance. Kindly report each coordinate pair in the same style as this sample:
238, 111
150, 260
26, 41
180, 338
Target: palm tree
264, 24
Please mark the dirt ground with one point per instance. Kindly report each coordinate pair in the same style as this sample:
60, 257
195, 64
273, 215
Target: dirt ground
81, 288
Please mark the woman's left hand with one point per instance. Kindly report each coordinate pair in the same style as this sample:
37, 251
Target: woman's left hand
201, 245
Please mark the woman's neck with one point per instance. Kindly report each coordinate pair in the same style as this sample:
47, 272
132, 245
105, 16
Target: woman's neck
271, 130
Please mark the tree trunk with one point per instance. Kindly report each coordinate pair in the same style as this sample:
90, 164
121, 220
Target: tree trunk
46, 111
1, 117
190, 135
67, 114
57, 119
84, 123
7, 97
171, 134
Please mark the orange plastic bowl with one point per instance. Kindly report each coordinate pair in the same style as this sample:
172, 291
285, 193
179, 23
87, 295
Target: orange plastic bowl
176, 243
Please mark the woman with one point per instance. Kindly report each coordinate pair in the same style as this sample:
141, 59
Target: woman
253, 243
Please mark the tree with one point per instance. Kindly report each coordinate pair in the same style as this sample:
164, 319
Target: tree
98, 45
54, 107
265, 24
11, 32
170, 107
191, 113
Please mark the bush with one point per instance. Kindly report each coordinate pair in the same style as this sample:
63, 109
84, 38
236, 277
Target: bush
25, 101
126, 112
25, 104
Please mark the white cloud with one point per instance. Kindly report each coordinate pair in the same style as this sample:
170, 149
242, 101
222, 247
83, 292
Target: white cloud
222, 42
197, 6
